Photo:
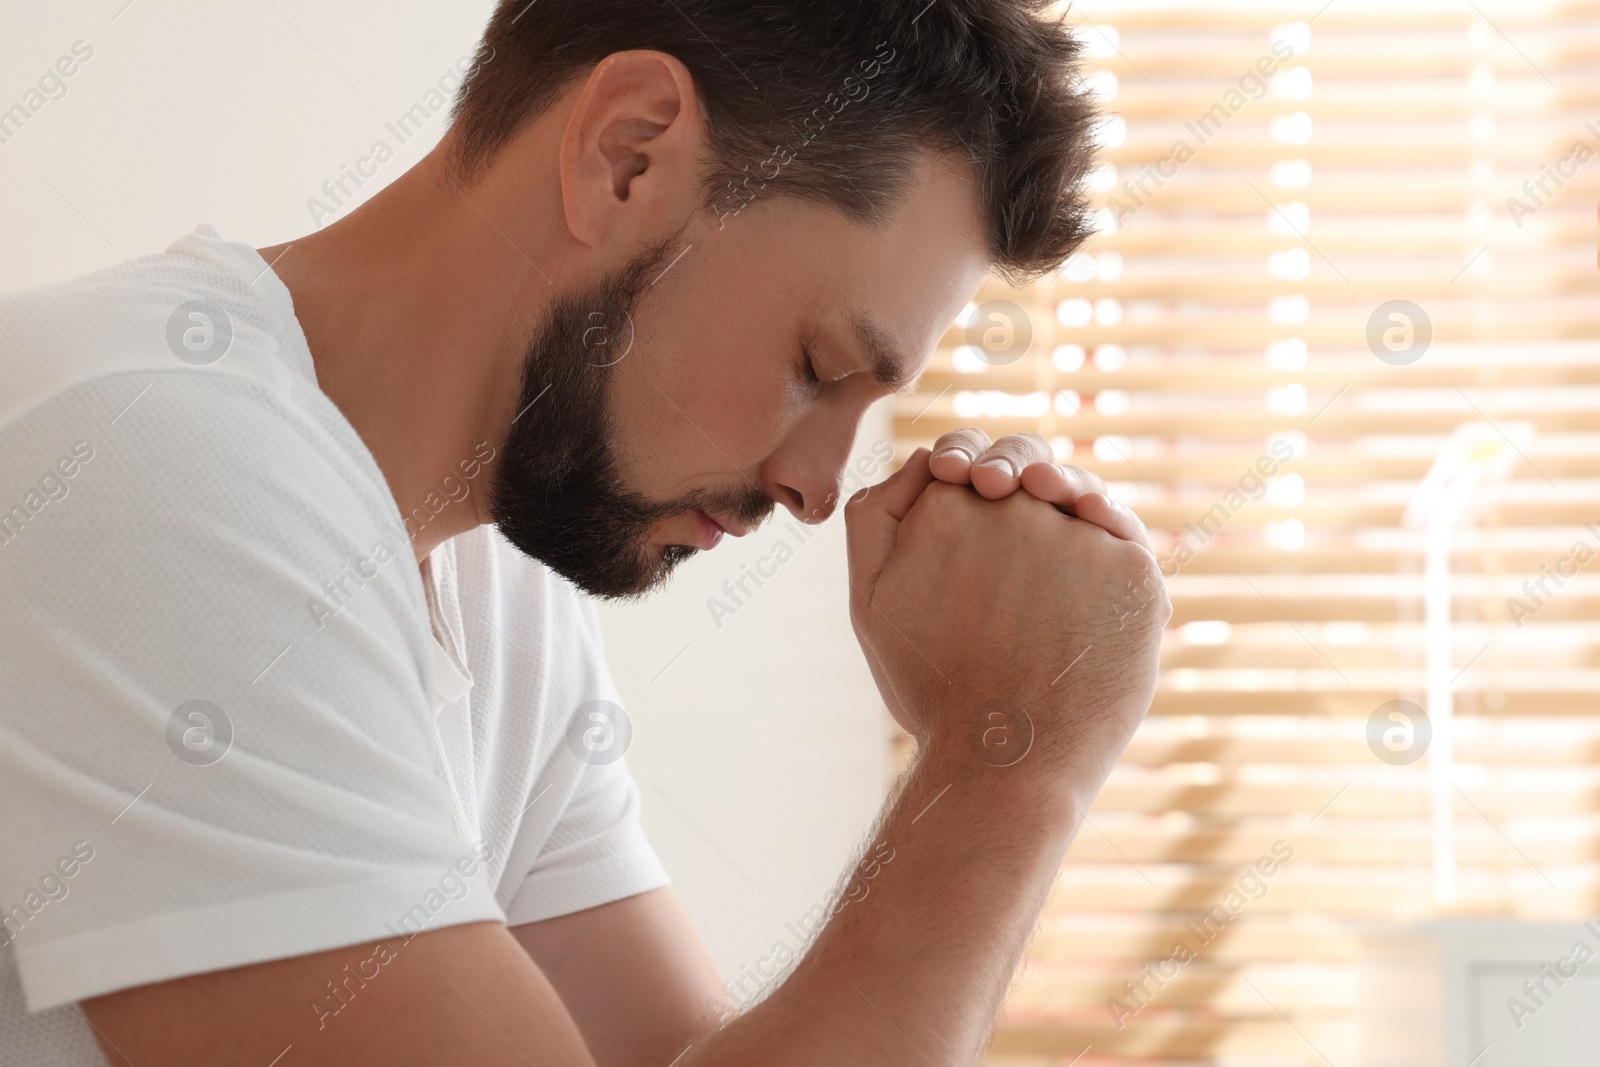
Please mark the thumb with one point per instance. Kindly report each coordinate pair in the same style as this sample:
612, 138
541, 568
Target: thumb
872, 520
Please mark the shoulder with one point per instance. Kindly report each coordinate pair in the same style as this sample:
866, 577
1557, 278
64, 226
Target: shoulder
190, 456
231, 502
203, 303
189, 534
181, 386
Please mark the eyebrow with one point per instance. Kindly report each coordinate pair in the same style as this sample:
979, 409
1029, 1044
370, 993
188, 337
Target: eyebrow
888, 367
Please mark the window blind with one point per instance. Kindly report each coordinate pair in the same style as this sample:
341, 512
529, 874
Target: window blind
1342, 245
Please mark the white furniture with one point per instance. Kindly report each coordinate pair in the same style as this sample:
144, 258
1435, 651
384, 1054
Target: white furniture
1481, 993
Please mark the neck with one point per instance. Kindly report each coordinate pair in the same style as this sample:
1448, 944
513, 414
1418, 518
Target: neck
415, 306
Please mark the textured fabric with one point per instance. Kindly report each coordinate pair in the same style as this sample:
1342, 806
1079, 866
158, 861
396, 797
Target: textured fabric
239, 722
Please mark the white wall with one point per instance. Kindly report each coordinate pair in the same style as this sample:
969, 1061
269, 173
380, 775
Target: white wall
766, 735
761, 727
197, 112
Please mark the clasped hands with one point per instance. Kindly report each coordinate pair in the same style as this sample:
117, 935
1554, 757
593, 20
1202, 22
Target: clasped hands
1025, 460
964, 591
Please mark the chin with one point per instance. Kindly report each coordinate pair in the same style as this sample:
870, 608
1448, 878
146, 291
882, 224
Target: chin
648, 572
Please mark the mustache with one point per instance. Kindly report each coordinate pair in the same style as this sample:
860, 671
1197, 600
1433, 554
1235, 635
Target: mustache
744, 505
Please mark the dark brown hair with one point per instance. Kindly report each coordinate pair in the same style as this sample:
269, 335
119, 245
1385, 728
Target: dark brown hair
830, 101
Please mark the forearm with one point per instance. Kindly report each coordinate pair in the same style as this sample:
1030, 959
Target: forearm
912, 966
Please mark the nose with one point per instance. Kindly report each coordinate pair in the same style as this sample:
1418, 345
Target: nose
805, 473
805, 508
810, 505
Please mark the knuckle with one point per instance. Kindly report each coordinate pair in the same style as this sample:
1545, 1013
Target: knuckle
1141, 562
1037, 443
1040, 520
1016, 444
968, 437
1076, 476
1126, 560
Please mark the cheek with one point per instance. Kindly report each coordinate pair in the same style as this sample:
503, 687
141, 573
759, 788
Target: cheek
746, 402
713, 387
740, 382
698, 412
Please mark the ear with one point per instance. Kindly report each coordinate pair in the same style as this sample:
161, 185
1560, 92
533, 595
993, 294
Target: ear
631, 149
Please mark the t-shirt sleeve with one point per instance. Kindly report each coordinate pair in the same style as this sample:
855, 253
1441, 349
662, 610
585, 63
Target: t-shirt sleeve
597, 851
216, 746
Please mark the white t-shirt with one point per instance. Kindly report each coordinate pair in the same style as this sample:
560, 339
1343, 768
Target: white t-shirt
237, 722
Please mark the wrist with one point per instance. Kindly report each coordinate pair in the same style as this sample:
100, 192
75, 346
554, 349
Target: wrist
993, 763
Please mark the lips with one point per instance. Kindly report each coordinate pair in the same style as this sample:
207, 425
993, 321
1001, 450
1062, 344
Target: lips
712, 529
710, 532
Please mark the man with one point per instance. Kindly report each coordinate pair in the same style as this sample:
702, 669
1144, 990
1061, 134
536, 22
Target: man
305, 751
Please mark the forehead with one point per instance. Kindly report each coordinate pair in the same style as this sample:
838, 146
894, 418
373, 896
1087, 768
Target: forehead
892, 287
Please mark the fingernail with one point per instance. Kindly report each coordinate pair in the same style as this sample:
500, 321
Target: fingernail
1001, 464
952, 450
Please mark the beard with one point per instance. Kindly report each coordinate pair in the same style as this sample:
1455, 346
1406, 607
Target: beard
556, 493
